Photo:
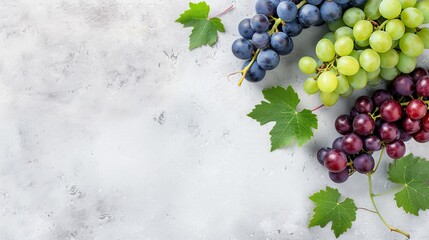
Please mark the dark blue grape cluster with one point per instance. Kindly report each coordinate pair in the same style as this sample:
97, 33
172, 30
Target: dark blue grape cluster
268, 35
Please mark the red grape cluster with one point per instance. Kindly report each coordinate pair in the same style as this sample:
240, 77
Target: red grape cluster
386, 120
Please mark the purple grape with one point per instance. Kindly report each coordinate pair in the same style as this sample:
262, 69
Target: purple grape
422, 86
405, 137
372, 143
379, 97
339, 177
395, 149
338, 143
410, 126
404, 85
335, 160
425, 122
364, 163
260, 23
421, 136
416, 109
364, 104
388, 132
418, 73
353, 112
352, 143
321, 154
265, 7
363, 124
343, 124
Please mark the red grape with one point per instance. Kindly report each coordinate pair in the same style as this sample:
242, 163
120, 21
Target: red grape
364, 163
352, 143
338, 143
422, 86
421, 136
388, 132
339, 177
364, 104
404, 85
372, 143
363, 124
416, 109
380, 96
395, 149
335, 160
425, 122
410, 126
418, 73
343, 124
391, 111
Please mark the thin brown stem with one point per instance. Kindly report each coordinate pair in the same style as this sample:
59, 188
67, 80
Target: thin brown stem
224, 12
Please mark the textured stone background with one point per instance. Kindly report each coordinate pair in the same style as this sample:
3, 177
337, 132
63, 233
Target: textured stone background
112, 129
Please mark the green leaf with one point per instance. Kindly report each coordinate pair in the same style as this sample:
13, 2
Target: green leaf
329, 209
205, 29
291, 125
413, 174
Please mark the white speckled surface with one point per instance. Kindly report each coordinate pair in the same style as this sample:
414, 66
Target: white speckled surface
111, 129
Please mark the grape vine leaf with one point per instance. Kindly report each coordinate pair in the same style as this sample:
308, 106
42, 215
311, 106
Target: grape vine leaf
413, 174
205, 29
281, 108
329, 209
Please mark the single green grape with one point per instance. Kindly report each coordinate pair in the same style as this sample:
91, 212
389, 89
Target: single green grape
406, 63
330, 36
389, 59
423, 6
343, 31
374, 82
343, 46
355, 54
389, 73
411, 45
325, 50
310, 86
307, 65
390, 9
327, 82
348, 65
371, 9
334, 25
343, 84
352, 15
362, 30
395, 28
380, 41
348, 93
329, 99
374, 74
407, 3
369, 60
412, 17
424, 35
359, 80
364, 43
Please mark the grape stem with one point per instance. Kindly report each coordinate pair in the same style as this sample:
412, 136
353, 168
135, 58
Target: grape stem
366, 209
224, 12
302, 3
382, 25
394, 190
317, 108
246, 69
372, 195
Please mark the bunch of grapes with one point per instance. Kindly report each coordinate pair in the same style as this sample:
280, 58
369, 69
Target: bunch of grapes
384, 121
365, 46
268, 35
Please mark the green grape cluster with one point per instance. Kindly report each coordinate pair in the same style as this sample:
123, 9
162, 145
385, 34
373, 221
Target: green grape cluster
379, 41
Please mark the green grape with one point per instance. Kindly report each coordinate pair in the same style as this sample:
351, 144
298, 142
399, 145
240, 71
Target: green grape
344, 31
352, 15
412, 17
307, 65
406, 63
424, 35
407, 3
310, 86
327, 82
423, 6
355, 54
359, 80
362, 30
347, 65
329, 99
369, 60
348, 93
343, 84
371, 9
411, 45
343, 46
334, 25
390, 9
373, 75
364, 43
395, 28
395, 43
325, 50
380, 41
389, 73
389, 59
374, 82
330, 36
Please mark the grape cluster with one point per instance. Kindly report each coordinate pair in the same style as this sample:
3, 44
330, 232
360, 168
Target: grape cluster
268, 34
365, 46
384, 121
